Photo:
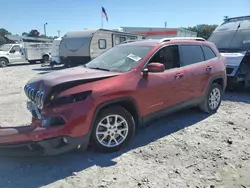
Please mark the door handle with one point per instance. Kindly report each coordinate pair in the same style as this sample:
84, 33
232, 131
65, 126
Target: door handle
179, 75
209, 68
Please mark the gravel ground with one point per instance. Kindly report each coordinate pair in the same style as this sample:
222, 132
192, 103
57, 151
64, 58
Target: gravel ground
186, 149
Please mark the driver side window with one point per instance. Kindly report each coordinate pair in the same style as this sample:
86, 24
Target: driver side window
168, 56
15, 48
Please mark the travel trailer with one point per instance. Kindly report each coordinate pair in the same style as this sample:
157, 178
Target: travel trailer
232, 39
29, 49
55, 58
79, 47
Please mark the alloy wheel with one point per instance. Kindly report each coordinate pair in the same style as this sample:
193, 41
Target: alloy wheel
112, 131
214, 98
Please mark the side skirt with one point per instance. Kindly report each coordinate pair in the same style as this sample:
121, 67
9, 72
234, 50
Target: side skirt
161, 113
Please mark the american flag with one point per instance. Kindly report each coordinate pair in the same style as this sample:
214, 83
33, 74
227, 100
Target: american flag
104, 13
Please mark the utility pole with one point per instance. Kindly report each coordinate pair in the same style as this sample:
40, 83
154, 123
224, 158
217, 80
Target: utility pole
58, 31
45, 28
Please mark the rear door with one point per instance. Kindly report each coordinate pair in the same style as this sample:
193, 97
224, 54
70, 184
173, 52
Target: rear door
197, 70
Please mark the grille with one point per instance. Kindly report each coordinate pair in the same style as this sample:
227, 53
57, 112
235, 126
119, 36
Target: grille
35, 96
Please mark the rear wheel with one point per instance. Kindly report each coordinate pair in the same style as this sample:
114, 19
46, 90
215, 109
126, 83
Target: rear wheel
113, 129
45, 58
212, 100
3, 62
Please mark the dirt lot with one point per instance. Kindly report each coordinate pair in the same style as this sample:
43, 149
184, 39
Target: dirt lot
187, 149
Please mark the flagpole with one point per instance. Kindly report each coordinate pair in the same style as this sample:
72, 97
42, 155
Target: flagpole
101, 20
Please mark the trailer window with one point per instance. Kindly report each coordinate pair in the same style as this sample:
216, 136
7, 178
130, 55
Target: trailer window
102, 43
132, 38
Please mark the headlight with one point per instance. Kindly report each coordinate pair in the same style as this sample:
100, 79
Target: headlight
69, 99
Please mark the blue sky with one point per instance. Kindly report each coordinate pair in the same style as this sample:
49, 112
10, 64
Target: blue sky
66, 15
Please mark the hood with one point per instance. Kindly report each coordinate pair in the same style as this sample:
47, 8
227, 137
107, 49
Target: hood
66, 78
234, 59
3, 53
71, 74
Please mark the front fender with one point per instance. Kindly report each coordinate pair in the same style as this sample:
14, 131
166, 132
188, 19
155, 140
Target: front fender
5, 57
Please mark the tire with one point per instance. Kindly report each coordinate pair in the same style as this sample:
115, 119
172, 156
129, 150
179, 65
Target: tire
45, 58
206, 105
3, 62
128, 123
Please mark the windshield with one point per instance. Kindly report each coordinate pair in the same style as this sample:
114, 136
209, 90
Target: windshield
5, 47
120, 58
231, 40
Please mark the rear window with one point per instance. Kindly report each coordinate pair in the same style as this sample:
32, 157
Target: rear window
208, 53
191, 54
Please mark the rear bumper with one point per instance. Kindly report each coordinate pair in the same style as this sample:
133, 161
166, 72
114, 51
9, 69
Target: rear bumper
50, 146
232, 70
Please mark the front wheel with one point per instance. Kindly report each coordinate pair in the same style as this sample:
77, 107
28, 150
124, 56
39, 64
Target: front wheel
212, 100
113, 129
3, 62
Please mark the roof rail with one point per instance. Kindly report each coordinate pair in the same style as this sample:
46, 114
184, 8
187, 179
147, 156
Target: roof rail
239, 17
181, 38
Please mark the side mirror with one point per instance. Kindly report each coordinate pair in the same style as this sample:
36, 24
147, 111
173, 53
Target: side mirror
153, 67
12, 51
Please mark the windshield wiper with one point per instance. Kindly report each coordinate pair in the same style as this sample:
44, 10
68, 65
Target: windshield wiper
98, 68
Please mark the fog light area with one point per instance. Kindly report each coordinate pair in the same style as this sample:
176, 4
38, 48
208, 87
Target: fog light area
52, 121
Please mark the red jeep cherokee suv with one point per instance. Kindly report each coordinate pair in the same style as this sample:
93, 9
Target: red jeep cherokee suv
103, 101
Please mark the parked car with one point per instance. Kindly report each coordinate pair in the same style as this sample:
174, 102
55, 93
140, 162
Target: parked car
232, 39
104, 101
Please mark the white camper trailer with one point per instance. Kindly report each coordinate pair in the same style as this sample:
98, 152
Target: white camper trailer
79, 47
55, 58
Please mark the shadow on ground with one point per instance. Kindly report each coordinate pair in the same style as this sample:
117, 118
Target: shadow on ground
21, 64
239, 95
36, 172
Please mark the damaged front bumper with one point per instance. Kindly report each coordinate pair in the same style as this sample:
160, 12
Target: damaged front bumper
52, 146
38, 138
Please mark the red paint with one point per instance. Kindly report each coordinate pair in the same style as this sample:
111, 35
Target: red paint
158, 33
156, 67
152, 93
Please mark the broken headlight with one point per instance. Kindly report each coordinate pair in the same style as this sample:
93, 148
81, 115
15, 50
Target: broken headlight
69, 99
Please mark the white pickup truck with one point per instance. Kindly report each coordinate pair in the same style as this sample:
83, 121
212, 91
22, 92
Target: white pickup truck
31, 52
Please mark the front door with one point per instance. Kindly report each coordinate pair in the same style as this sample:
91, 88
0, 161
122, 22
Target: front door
165, 89
15, 54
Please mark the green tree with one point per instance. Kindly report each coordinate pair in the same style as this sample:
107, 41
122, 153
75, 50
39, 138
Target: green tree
3, 32
203, 30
